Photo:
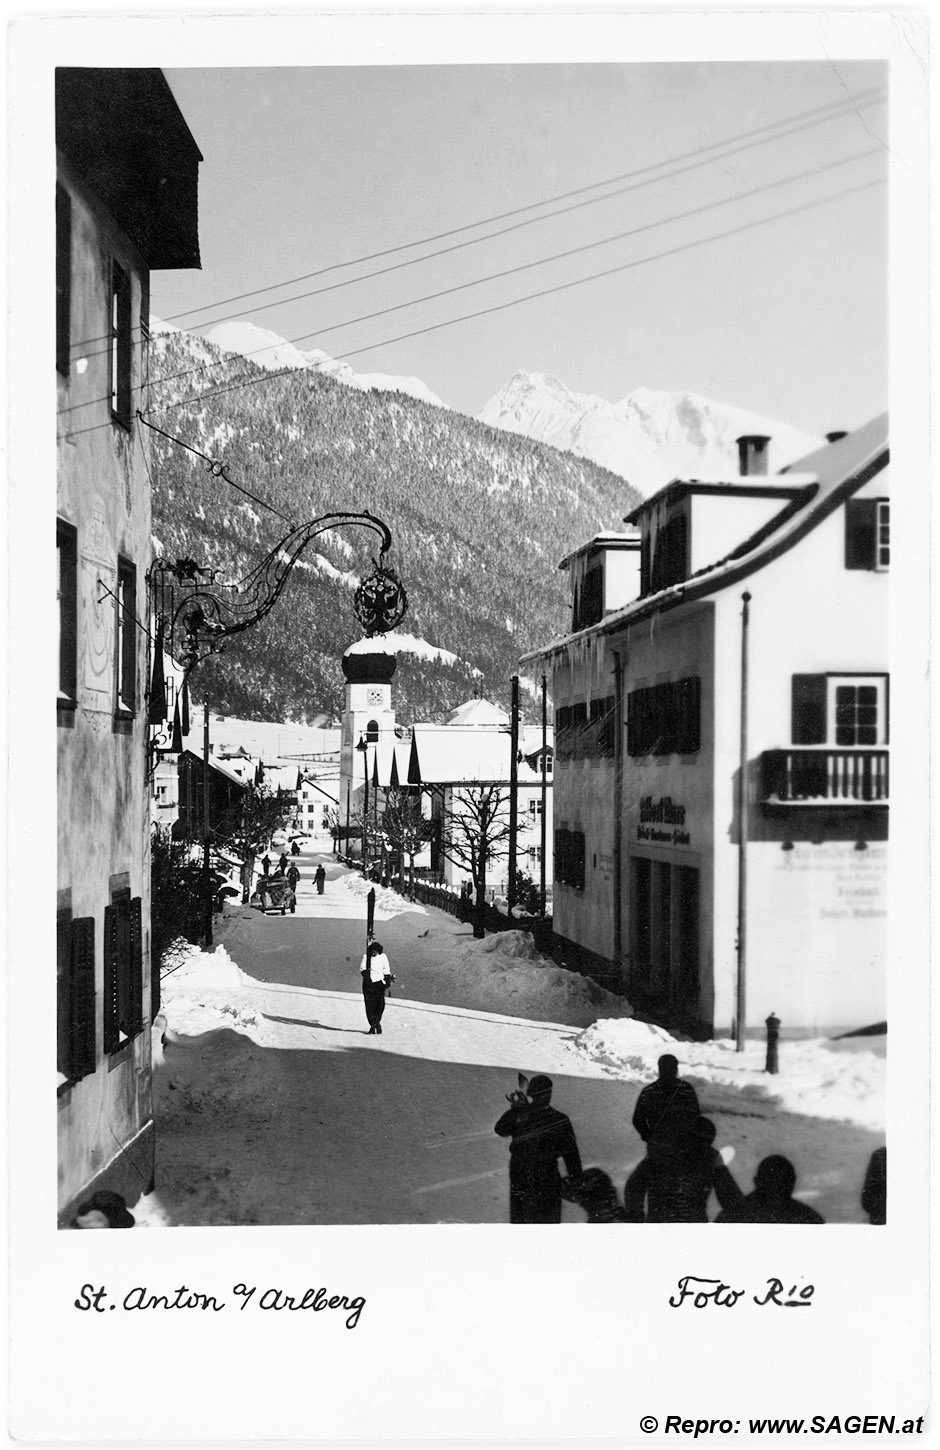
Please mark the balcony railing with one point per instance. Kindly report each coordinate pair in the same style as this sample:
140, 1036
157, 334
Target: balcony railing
824, 776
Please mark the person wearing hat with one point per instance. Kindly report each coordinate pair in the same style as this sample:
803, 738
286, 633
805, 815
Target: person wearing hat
539, 1136
103, 1210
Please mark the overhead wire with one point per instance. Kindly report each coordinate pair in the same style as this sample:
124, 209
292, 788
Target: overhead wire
787, 126
273, 374
522, 267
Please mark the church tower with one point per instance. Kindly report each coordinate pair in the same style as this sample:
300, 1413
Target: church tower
369, 715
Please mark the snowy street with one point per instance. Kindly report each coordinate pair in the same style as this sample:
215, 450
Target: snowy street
273, 1105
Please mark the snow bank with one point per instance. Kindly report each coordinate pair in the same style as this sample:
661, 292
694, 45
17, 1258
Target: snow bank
388, 903
815, 1079
506, 973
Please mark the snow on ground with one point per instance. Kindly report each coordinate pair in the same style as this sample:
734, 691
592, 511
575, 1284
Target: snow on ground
814, 1079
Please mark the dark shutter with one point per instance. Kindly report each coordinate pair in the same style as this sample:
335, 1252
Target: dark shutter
63, 279
133, 1018
67, 547
809, 710
861, 525
82, 998
64, 993
112, 972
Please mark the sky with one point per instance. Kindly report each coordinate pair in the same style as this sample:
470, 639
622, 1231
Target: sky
308, 169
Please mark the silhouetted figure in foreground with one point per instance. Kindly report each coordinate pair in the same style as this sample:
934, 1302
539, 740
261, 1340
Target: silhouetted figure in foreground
678, 1191
772, 1200
539, 1137
103, 1210
665, 1112
596, 1194
319, 877
875, 1187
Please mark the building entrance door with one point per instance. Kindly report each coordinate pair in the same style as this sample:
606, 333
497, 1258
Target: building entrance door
664, 910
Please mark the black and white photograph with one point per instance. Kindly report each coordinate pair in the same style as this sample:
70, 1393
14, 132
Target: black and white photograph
478, 627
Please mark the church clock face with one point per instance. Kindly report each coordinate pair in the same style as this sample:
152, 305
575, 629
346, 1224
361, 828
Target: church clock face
374, 697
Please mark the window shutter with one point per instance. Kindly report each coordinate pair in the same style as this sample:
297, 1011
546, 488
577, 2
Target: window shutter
64, 993
861, 522
82, 998
133, 1014
809, 710
112, 963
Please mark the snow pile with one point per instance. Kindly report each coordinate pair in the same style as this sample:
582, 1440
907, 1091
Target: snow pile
815, 1079
506, 973
388, 903
205, 993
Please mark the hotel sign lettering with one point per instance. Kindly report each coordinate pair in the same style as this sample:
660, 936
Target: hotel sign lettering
663, 821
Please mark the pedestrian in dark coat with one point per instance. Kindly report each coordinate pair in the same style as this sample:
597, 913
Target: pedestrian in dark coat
772, 1200
293, 878
539, 1136
666, 1111
376, 979
282, 863
319, 877
679, 1191
265, 863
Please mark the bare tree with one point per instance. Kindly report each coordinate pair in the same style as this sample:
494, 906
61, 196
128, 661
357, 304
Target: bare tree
249, 824
405, 828
475, 827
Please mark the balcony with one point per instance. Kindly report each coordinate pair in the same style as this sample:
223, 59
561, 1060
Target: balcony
824, 776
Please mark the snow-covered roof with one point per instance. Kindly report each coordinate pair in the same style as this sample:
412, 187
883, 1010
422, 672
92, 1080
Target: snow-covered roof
839, 470
606, 539
455, 755
478, 712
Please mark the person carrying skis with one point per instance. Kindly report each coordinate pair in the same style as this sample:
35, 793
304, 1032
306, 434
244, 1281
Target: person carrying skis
376, 973
539, 1136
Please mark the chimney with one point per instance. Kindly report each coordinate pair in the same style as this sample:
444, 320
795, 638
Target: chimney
834, 437
752, 454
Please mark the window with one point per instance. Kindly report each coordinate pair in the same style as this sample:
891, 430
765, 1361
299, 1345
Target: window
669, 561
535, 854
868, 533
535, 810
372, 732
665, 719
569, 858
125, 665
120, 344
589, 599
66, 539
123, 970
665, 915
75, 995
63, 279
847, 711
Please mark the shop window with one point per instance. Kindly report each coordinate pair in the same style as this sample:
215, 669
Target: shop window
569, 858
121, 344
847, 711
665, 915
67, 613
868, 533
125, 664
123, 970
63, 280
75, 995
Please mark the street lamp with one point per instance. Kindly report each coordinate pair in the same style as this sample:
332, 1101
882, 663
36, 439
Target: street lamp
364, 750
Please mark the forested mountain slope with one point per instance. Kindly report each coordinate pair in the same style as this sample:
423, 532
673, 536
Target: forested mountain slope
479, 517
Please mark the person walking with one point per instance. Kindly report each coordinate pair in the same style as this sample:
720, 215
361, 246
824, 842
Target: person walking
376, 973
282, 863
666, 1112
265, 863
539, 1136
772, 1200
319, 877
293, 879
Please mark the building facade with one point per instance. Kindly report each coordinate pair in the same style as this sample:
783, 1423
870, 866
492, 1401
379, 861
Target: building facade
127, 172
721, 775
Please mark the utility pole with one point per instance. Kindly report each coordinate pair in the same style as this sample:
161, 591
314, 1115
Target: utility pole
348, 789
206, 874
544, 794
741, 994
513, 790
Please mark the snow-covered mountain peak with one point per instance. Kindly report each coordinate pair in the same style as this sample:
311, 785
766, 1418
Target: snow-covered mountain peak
649, 437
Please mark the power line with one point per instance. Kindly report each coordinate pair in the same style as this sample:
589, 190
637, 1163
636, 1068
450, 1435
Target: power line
531, 296
271, 375
522, 267
833, 110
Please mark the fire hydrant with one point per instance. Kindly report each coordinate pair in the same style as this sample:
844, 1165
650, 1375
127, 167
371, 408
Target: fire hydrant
773, 1034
